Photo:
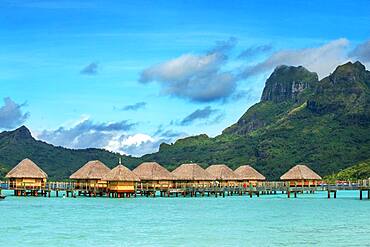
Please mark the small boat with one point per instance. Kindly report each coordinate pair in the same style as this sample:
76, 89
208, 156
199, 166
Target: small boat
2, 197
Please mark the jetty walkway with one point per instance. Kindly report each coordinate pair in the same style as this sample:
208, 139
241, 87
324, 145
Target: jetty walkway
72, 189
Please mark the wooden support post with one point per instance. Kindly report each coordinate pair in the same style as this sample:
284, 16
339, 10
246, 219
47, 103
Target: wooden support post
288, 193
335, 194
295, 194
360, 194
368, 194
56, 193
328, 194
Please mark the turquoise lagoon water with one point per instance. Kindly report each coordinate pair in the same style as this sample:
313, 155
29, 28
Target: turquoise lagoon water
271, 220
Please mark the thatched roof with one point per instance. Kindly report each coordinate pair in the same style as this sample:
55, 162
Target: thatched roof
153, 171
247, 172
94, 169
121, 173
300, 172
222, 172
26, 169
192, 172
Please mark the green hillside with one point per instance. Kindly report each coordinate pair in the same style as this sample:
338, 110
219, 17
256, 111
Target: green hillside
358, 171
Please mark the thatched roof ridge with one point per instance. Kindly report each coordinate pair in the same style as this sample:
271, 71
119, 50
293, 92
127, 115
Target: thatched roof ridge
246, 172
222, 172
26, 169
94, 169
153, 171
190, 172
121, 173
300, 172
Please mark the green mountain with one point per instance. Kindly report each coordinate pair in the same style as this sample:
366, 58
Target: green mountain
325, 124
358, 171
58, 162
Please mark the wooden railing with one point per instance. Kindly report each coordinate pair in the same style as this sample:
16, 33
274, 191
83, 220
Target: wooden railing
260, 186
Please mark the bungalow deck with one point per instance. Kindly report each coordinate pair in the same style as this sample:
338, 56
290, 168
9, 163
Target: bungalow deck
69, 189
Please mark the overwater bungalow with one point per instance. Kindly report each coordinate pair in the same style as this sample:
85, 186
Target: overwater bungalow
248, 175
89, 177
301, 176
223, 175
26, 176
192, 175
121, 182
154, 176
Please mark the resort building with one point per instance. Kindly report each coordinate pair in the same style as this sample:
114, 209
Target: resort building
248, 176
89, 177
26, 176
192, 175
223, 175
154, 176
301, 176
121, 182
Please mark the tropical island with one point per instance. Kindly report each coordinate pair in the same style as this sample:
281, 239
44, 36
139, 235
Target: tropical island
324, 123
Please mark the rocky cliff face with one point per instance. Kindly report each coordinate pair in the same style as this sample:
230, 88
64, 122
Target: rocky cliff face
287, 83
286, 86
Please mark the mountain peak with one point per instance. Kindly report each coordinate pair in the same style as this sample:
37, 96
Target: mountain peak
287, 82
349, 73
21, 133
354, 66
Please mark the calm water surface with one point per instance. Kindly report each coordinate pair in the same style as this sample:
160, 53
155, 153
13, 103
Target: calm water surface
273, 220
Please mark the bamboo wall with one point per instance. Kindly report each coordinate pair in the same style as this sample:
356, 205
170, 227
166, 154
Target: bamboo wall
26, 183
121, 186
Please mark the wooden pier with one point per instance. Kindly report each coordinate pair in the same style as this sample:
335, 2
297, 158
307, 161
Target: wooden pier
71, 189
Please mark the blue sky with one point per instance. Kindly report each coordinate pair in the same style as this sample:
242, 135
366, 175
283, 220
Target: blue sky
128, 75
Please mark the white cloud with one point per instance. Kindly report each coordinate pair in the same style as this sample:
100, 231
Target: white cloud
112, 136
195, 77
362, 52
119, 143
322, 59
11, 114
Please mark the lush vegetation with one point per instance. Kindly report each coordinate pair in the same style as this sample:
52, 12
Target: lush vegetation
325, 124
353, 173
